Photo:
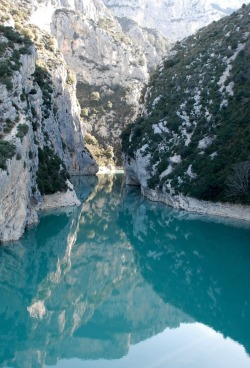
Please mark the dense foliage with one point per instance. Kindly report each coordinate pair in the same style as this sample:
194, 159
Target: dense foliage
10, 53
52, 174
7, 151
196, 121
43, 79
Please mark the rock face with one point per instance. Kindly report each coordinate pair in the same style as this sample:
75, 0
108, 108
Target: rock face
174, 19
191, 137
111, 59
113, 55
42, 136
110, 77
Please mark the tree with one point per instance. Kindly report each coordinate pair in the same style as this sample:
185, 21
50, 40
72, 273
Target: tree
238, 183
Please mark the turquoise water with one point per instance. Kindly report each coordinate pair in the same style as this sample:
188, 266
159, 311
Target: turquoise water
125, 282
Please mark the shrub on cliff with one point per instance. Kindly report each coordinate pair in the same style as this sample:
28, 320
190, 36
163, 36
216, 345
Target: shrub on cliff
22, 130
52, 173
7, 151
238, 182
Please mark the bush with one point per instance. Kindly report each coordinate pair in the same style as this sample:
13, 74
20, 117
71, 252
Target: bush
71, 79
5, 68
11, 34
7, 151
84, 112
43, 79
238, 182
52, 173
94, 96
33, 91
109, 105
7, 82
22, 130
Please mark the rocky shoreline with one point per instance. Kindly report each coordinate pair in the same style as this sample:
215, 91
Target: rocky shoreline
181, 202
59, 200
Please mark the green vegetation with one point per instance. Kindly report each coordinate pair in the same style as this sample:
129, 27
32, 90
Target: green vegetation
22, 130
97, 102
6, 74
7, 151
52, 173
199, 111
6, 126
104, 156
43, 79
110, 27
71, 78
11, 54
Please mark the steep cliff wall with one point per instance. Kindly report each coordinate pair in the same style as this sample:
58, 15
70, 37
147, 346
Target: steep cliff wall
41, 139
110, 72
111, 59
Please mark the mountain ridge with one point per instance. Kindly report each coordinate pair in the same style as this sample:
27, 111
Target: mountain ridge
173, 19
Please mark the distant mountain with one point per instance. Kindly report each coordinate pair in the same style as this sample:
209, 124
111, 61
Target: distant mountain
173, 18
193, 134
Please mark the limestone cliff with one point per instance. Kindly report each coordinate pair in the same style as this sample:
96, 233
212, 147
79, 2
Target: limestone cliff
111, 59
41, 130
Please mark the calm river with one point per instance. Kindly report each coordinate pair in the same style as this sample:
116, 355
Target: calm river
122, 282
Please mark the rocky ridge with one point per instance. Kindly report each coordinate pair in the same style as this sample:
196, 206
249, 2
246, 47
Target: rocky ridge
172, 18
41, 130
192, 136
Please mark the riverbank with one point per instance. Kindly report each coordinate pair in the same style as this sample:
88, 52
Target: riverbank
59, 200
181, 202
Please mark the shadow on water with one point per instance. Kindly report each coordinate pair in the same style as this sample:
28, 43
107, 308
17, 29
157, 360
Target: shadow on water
92, 281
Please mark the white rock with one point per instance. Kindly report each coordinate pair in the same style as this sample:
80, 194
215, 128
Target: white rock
57, 200
173, 18
203, 207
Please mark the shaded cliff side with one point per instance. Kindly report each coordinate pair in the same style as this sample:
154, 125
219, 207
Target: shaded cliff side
42, 135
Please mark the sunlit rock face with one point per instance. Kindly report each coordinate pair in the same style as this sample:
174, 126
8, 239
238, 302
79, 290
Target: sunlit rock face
174, 19
109, 74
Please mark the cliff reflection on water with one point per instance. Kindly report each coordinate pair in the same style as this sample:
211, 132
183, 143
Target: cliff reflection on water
91, 282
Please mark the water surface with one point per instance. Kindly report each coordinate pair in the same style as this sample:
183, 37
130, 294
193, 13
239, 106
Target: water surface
125, 282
